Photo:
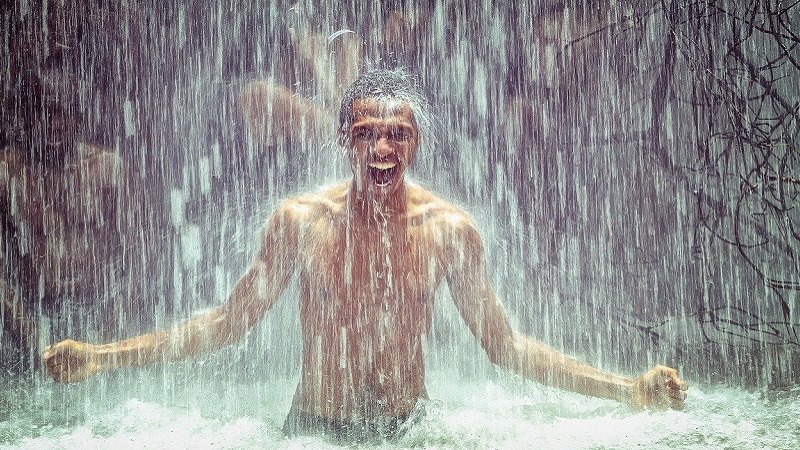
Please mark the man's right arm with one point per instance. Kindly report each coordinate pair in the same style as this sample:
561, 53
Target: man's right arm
253, 295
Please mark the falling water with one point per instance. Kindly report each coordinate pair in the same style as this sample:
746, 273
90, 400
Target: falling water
632, 165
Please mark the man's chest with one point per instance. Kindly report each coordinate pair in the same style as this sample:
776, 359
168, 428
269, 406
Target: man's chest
369, 277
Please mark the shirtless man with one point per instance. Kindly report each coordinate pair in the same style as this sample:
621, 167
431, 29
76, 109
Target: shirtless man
370, 254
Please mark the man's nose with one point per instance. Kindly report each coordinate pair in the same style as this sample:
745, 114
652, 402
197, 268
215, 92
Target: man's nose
382, 148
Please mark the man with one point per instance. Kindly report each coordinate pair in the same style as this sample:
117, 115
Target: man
369, 254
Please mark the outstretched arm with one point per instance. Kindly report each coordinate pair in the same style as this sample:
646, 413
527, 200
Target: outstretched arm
483, 313
253, 295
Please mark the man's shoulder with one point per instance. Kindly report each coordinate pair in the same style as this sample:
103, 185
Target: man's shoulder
324, 202
451, 230
440, 214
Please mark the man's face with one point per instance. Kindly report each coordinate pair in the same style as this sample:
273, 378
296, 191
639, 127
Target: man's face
383, 141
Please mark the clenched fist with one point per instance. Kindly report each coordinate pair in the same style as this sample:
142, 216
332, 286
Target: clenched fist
71, 361
659, 388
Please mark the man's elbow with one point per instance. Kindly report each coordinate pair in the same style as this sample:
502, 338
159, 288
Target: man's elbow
210, 331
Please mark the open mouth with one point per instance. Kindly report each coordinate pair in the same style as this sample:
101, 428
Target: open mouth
382, 173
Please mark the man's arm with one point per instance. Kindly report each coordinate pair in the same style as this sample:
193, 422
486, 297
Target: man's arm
483, 313
253, 295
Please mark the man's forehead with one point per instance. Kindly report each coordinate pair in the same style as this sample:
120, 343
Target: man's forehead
380, 108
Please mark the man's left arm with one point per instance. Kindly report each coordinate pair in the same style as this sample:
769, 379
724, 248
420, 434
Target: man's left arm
476, 301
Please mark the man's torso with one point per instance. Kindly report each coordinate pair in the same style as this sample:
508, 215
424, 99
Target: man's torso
366, 296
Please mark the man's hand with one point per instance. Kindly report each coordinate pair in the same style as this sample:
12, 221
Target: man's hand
71, 361
659, 388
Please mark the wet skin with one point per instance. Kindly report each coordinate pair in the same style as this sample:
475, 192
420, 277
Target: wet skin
369, 255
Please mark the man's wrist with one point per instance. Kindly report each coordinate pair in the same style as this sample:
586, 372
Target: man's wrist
105, 356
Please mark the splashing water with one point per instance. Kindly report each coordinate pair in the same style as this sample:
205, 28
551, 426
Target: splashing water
464, 413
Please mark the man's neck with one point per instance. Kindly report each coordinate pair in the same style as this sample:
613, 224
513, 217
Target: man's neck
369, 209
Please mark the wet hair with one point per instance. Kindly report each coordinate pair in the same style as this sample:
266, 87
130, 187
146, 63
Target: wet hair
389, 85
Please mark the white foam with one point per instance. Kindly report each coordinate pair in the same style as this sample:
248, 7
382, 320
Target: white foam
507, 413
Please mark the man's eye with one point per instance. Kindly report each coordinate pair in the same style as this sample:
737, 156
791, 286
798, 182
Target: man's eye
364, 135
398, 136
